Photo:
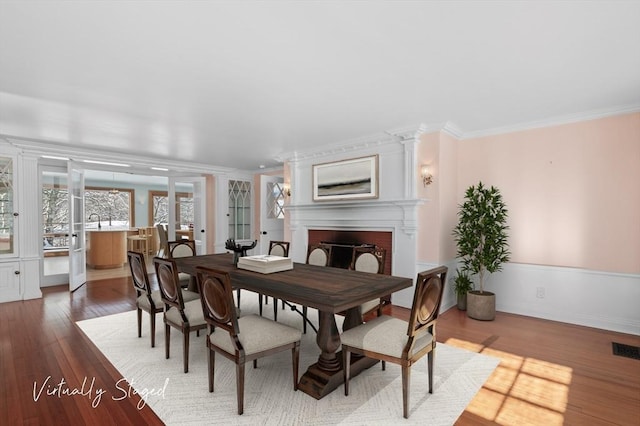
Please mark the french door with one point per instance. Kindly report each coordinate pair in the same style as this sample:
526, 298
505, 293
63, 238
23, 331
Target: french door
77, 240
271, 211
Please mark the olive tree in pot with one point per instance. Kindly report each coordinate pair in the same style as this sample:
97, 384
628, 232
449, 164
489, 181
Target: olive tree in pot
481, 238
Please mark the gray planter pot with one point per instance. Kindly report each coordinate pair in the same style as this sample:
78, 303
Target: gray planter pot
462, 301
481, 306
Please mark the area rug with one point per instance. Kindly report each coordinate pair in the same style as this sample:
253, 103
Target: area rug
375, 396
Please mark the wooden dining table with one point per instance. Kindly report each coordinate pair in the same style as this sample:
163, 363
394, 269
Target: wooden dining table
329, 290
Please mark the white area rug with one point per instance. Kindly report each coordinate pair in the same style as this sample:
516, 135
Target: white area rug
375, 395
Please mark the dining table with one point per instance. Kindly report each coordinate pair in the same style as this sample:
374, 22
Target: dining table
329, 290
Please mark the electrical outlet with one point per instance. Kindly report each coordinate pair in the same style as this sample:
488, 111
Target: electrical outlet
540, 292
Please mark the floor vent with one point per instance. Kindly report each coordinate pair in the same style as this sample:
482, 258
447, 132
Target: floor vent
627, 351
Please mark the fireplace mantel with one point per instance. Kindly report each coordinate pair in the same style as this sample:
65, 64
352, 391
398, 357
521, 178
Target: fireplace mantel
358, 214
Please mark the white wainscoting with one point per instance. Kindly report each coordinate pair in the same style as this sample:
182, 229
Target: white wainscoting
605, 300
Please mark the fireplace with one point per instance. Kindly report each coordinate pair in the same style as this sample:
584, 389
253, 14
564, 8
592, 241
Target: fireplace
344, 241
390, 224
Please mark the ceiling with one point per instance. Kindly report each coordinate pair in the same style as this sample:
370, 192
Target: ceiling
239, 84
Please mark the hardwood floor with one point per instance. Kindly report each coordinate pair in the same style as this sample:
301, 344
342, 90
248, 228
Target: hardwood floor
550, 373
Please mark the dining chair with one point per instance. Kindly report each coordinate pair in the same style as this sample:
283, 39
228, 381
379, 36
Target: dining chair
369, 259
146, 299
241, 339
163, 238
181, 315
391, 339
276, 248
183, 248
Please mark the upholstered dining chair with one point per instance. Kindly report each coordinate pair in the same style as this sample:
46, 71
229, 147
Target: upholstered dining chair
181, 315
163, 239
183, 248
276, 248
146, 299
390, 339
369, 259
241, 339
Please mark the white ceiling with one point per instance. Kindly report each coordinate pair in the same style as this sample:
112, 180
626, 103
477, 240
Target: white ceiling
236, 84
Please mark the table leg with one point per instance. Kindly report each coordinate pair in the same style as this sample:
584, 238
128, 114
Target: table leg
326, 375
328, 340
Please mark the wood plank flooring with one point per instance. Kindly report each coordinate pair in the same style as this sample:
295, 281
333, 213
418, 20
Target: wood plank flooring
550, 373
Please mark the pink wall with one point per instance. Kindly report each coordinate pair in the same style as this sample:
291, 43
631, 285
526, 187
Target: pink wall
429, 233
437, 217
573, 191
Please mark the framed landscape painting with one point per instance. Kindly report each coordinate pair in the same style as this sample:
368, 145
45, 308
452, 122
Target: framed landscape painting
352, 179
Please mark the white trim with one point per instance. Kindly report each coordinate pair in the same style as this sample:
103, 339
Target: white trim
354, 145
553, 121
139, 164
606, 300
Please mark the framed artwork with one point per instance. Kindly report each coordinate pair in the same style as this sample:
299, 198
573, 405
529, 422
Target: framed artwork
352, 179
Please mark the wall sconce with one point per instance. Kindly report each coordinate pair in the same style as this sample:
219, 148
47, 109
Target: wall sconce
286, 189
427, 178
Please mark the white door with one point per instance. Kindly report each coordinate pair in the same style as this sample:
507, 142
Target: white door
196, 186
77, 241
271, 210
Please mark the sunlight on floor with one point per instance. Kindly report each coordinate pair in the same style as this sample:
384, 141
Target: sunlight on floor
520, 390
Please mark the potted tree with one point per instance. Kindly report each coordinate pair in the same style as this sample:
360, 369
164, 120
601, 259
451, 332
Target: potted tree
481, 238
462, 284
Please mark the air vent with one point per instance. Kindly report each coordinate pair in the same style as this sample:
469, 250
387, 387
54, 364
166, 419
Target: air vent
627, 351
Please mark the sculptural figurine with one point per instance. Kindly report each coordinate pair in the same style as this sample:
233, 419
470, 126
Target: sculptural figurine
238, 249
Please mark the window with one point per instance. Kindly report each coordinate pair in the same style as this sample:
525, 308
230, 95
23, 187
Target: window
275, 200
55, 215
113, 206
239, 210
159, 208
110, 206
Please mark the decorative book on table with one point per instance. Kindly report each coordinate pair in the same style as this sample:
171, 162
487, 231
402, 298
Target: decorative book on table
265, 263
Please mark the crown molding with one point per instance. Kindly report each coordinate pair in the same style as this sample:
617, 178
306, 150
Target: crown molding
138, 164
387, 137
554, 121
452, 130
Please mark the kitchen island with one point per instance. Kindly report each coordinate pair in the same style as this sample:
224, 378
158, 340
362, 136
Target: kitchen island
107, 247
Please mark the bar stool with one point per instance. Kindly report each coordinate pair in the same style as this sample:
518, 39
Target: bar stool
140, 242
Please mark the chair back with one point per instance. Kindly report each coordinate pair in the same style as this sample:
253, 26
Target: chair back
279, 248
163, 250
368, 259
216, 295
426, 301
170, 291
182, 248
139, 274
318, 255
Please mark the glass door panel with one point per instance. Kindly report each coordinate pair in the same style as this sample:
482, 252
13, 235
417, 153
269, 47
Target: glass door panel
7, 212
77, 241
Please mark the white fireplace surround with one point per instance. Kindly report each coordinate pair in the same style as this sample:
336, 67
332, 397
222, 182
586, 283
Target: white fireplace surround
397, 217
395, 211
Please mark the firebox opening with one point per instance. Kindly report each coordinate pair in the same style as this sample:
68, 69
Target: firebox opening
343, 242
